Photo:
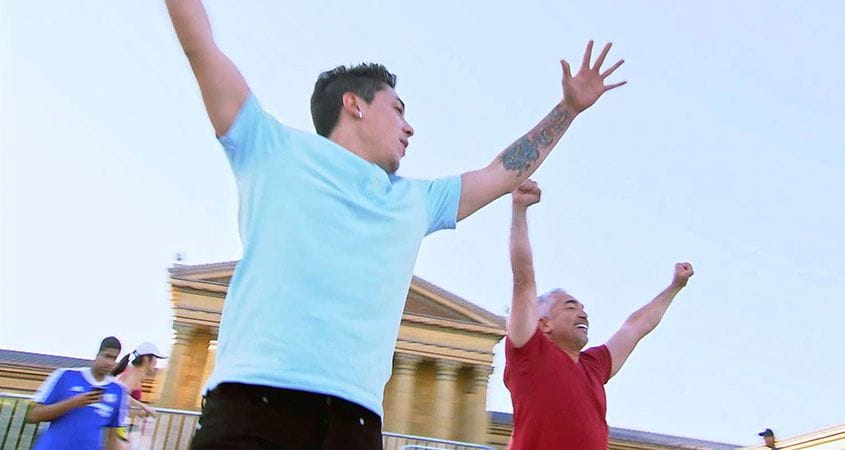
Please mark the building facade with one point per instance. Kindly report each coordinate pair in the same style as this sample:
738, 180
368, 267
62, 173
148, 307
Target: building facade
441, 366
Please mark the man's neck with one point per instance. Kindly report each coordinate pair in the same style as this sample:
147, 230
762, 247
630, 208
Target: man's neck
98, 375
348, 139
573, 354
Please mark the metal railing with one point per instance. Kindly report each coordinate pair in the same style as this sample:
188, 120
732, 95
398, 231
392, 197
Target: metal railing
173, 429
396, 441
14, 432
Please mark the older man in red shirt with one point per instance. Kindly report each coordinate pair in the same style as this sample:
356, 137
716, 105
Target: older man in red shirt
557, 388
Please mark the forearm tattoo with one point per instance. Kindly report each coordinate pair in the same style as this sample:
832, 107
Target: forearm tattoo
520, 155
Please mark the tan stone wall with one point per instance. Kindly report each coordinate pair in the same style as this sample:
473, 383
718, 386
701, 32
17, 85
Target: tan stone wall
498, 436
19, 380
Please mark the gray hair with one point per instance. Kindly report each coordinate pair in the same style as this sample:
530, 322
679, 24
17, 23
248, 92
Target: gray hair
547, 300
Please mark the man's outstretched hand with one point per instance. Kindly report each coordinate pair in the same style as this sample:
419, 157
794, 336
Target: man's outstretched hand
582, 90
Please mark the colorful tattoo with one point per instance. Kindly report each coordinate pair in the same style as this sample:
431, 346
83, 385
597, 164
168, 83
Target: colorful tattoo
520, 155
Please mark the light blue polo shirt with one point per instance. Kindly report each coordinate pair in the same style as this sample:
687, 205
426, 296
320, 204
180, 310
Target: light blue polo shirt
329, 245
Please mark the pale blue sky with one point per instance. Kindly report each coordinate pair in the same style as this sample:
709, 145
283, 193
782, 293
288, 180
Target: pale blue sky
725, 149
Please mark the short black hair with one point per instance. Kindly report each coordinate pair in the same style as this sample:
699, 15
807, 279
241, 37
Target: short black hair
363, 80
110, 342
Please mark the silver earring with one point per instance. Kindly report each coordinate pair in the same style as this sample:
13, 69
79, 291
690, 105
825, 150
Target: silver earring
360, 114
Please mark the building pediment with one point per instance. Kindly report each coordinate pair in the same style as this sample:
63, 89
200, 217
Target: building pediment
199, 290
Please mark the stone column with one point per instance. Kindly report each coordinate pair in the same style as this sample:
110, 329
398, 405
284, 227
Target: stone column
445, 382
193, 377
176, 363
209, 362
475, 411
400, 398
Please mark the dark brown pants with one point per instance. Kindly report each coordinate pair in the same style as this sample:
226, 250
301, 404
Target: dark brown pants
241, 416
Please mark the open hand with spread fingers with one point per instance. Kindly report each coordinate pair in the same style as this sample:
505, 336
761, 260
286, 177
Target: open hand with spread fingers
582, 90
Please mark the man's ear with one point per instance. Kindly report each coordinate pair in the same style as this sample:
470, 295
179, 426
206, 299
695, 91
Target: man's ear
352, 105
544, 325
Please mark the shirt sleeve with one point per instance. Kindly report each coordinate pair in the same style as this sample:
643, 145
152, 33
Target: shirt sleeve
520, 358
442, 197
597, 360
250, 129
50, 390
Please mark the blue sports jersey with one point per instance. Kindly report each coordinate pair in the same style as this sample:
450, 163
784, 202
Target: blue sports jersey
80, 428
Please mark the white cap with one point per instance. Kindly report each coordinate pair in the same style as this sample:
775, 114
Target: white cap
148, 348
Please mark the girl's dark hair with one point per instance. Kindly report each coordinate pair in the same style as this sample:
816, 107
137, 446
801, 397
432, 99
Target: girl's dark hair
121, 365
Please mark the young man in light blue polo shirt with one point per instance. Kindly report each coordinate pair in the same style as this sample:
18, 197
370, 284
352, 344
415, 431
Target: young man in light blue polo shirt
330, 235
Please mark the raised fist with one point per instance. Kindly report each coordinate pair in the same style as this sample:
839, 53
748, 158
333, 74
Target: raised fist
683, 271
527, 194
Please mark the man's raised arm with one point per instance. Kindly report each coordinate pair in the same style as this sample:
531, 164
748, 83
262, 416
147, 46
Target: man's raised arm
522, 322
221, 84
517, 162
645, 319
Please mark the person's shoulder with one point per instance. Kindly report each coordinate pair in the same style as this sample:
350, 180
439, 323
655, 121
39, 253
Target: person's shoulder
60, 375
538, 342
598, 360
59, 380
71, 372
409, 184
253, 125
299, 133
596, 348
597, 352
394, 177
420, 185
311, 143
